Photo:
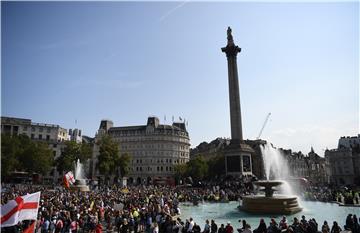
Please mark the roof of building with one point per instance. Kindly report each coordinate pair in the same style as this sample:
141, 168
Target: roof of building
143, 127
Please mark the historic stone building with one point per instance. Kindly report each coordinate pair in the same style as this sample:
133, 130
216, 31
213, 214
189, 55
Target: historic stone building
155, 149
209, 150
53, 135
343, 163
35, 131
349, 142
316, 168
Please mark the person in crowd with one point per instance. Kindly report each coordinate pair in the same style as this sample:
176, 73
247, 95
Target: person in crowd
213, 227
156, 228
283, 223
206, 227
229, 228
191, 225
273, 227
296, 225
247, 229
335, 228
196, 228
262, 227
349, 224
325, 227
356, 228
303, 220
45, 225
222, 229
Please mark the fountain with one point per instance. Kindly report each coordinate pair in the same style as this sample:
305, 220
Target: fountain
80, 182
286, 203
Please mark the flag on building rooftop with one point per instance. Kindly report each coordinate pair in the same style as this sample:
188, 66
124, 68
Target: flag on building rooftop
19, 209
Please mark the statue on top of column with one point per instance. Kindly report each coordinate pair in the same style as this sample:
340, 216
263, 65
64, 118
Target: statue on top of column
229, 37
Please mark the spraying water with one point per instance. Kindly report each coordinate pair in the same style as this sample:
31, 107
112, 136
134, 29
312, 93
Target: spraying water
79, 171
276, 167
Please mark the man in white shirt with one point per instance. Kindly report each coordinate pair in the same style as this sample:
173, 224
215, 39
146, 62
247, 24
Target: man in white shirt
191, 225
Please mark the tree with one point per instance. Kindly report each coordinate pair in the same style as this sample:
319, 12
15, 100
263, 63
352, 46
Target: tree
108, 156
216, 166
181, 171
123, 163
71, 153
22, 154
198, 168
37, 157
9, 154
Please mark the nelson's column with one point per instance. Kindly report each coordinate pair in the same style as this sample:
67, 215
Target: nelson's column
238, 160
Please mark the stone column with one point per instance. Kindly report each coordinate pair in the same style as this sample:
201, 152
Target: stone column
231, 51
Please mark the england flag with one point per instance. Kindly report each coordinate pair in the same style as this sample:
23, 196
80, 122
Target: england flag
22, 208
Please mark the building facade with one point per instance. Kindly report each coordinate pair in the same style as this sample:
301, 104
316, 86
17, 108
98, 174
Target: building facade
341, 168
155, 149
343, 163
349, 142
54, 135
35, 131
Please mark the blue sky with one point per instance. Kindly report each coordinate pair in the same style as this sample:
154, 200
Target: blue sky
124, 61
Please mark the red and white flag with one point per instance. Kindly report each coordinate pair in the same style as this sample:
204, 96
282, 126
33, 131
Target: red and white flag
69, 179
22, 208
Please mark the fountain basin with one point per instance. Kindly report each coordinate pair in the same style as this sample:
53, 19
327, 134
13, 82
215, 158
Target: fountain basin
270, 203
80, 185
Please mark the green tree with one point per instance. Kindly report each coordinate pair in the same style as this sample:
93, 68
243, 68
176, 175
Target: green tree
36, 157
71, 153
181, 171
197, 168
10, 148
22, 154
108, 158
216, 166
123, 163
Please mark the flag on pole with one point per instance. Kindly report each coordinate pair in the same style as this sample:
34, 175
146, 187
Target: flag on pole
22, 208
69, 179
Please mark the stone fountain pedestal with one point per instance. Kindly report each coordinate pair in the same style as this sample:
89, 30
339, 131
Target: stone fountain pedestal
80, 185
270, 204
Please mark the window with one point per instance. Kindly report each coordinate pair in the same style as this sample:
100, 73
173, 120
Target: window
48, 130
25, 128
40, 136
33, 129
40, 129
47, 137
32, 136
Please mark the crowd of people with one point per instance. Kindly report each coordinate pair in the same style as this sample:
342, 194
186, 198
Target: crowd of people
149, 209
